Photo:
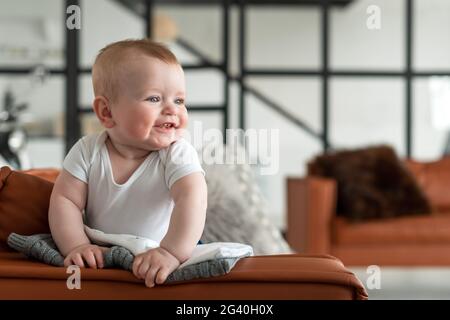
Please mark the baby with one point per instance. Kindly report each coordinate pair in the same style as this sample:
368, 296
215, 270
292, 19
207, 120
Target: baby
139, 176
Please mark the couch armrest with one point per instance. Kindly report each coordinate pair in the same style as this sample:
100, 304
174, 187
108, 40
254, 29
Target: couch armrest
311, 204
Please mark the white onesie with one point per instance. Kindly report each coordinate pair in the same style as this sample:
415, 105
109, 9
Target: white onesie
142, 206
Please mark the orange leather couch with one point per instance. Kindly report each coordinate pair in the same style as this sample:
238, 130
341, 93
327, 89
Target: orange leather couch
313, 226
275, 277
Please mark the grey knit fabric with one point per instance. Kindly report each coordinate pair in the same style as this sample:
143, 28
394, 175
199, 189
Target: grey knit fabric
39, 246
118, 257
42, 247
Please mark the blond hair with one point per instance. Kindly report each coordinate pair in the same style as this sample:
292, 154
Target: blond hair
110, 59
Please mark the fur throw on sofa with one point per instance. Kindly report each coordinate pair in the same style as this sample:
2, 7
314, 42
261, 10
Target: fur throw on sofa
372, 183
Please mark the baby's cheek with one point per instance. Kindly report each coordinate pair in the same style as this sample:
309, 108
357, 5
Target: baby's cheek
139, 129
183, 119
143, 131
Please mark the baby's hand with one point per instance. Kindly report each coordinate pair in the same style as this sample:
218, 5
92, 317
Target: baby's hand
154, 265
89, 253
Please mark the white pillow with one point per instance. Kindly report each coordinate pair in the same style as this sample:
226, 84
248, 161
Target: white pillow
237, 209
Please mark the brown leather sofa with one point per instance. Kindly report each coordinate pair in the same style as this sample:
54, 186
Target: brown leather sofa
313, 226
277, 277
273, 277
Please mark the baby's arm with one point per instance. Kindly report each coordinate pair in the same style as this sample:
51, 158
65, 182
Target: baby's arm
185, 229
188, 216
67, 202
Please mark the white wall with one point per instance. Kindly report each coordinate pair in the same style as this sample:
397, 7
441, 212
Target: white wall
363, 111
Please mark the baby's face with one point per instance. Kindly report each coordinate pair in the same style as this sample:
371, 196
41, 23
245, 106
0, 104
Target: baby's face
149, 112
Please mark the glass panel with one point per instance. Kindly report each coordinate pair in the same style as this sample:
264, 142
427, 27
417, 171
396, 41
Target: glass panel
286, 37
46, 152
432, 38
31, 32
294, 149
431, 117
299, 96
42, 117
209, 120
355, 41
90, 124
200, 26
204, 87
89, 121
86, 91
44, 102
199, 123
367, 112
119, 23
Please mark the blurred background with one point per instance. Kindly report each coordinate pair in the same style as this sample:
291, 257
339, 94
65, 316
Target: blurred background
327, 74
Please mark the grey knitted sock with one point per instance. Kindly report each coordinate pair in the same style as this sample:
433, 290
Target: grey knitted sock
119, 257
38, 246
43, 248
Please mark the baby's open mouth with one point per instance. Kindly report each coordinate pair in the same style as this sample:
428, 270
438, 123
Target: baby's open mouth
167, 125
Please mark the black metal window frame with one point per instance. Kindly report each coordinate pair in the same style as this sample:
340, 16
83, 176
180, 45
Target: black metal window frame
407, 74
72, 70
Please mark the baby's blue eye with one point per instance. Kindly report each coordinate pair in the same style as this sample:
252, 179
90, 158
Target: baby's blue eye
179, 101
153, 99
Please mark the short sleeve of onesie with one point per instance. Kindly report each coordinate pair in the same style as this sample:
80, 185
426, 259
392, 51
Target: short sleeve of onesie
181, 160
77, 160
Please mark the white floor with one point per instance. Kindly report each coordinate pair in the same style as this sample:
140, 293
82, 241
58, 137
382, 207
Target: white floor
407, 283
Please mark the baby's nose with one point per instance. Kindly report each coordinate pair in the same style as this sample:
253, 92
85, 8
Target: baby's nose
170, 108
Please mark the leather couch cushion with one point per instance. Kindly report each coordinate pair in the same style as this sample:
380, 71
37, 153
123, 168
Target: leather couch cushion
434, 180
273, 277
24, 201
49, 174
434, 228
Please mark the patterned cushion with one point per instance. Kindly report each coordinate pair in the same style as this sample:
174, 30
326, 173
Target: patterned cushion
237, 210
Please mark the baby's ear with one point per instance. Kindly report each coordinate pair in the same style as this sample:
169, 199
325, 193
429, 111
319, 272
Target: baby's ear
103, 111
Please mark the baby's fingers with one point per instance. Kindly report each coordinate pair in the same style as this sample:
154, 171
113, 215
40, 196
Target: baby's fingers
90, 259
76, 260
68, 261
151, 275
162, 275
136, 264
143, 269
98, 253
